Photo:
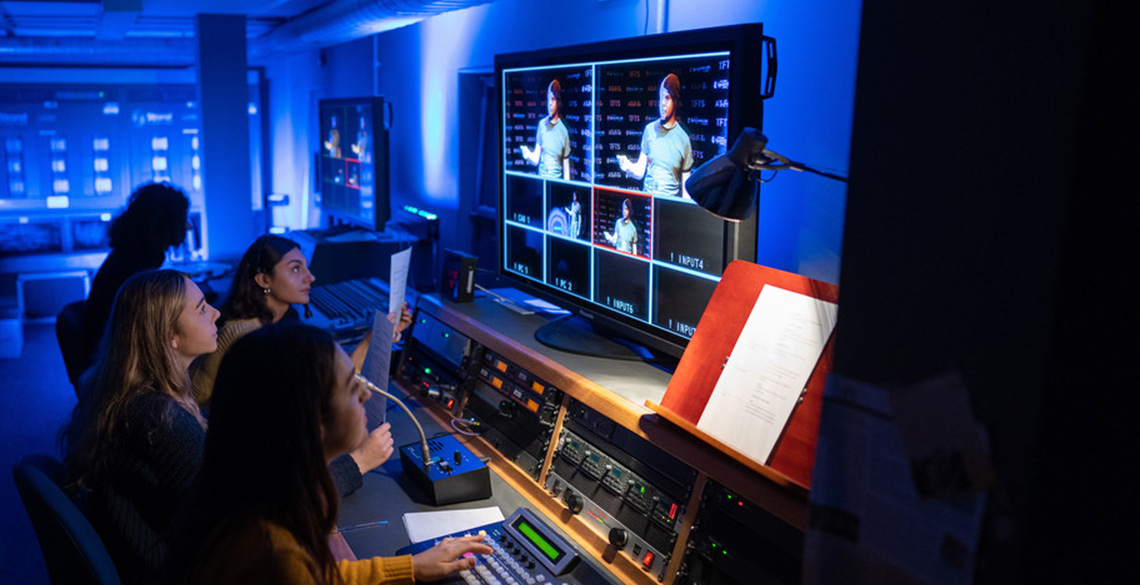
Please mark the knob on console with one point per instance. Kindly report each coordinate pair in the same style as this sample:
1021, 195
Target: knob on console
619, 537
573, 501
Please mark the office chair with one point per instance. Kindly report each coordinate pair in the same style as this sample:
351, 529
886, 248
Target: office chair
69, 333
72, 550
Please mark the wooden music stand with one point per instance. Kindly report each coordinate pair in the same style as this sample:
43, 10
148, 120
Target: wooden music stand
701, 365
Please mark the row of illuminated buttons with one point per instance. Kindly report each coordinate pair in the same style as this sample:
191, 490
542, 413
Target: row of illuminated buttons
494, 571
523, 376
510, 390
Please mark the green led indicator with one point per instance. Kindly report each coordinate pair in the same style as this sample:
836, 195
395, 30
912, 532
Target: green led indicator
643, 489
447, 335
427, 370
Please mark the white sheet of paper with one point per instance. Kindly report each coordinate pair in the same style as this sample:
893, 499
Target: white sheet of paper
422, 526
770, 364
377, 363
398, 279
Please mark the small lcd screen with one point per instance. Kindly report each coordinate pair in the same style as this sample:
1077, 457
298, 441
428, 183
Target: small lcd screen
539, 541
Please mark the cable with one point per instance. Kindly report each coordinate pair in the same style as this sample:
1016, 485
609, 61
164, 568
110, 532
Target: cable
461, 431
500, 297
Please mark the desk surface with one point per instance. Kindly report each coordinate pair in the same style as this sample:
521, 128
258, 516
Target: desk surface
388, 494
618, 390
634, 381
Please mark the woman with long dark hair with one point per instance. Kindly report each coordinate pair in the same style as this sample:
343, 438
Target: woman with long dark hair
272, 276
287, 392
134, 442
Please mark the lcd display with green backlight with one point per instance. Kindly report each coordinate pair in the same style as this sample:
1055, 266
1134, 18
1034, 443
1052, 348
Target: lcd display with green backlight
538, 540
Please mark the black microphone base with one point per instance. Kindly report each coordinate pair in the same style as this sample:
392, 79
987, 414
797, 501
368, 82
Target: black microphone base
455, 475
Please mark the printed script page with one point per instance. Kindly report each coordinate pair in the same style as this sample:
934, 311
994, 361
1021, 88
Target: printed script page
398, 280
769, 367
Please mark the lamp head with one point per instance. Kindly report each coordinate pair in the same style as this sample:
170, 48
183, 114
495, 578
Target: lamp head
748, 152
722, 185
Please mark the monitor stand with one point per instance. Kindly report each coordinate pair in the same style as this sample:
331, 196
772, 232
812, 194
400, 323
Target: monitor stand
575, 334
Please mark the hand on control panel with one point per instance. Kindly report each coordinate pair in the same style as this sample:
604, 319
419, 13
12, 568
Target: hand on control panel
444, 558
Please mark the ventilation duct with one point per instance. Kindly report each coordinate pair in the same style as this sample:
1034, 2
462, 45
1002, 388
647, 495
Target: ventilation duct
42, 51
338, 22
348, 20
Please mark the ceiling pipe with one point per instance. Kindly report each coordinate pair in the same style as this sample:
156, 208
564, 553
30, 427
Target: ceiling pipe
348, 20
47, 51
337, 22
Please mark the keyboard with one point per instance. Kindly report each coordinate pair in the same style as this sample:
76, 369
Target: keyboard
348, 307
527, 551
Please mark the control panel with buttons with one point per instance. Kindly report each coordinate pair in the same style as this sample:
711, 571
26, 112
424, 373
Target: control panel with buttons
526, 552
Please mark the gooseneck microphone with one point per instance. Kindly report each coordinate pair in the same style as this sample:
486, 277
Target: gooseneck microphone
423, 438
308, 312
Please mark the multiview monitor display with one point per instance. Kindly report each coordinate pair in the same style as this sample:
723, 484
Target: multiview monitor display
597, 142
354, 161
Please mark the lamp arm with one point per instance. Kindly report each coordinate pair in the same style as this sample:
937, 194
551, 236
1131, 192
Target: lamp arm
774, 161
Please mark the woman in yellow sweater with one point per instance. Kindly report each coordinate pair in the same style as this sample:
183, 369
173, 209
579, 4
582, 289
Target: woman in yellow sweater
287, 393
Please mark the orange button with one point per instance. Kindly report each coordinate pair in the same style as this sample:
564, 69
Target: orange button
538, 388
501, 366
496, 382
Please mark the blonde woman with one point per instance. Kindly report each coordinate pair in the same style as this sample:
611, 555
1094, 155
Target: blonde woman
134, 442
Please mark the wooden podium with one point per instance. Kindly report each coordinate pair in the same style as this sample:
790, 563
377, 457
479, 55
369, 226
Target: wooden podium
700, 367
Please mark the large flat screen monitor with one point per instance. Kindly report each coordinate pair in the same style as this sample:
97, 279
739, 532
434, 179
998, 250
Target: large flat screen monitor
353, 173
596, 143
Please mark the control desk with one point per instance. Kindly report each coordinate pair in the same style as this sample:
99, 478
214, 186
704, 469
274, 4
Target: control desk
568, 438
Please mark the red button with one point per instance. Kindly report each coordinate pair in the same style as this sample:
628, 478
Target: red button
647, 560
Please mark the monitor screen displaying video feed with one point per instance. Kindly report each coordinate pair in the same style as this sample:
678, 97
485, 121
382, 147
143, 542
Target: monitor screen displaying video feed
596, 144
354, 161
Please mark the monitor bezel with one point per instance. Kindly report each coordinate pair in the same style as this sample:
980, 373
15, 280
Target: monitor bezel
745, 45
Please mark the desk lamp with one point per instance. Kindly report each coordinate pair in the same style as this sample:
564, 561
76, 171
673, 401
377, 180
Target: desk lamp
726, 185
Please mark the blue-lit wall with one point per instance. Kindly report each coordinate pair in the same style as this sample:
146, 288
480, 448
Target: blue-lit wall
417, 67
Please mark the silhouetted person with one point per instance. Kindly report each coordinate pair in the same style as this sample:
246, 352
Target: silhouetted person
154, 220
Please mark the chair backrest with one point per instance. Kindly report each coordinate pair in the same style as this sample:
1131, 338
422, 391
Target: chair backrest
69, 325
72, 549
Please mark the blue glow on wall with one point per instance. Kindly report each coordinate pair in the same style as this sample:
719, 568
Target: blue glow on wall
445, 42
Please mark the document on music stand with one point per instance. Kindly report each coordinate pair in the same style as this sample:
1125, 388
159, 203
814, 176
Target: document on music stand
767, 371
